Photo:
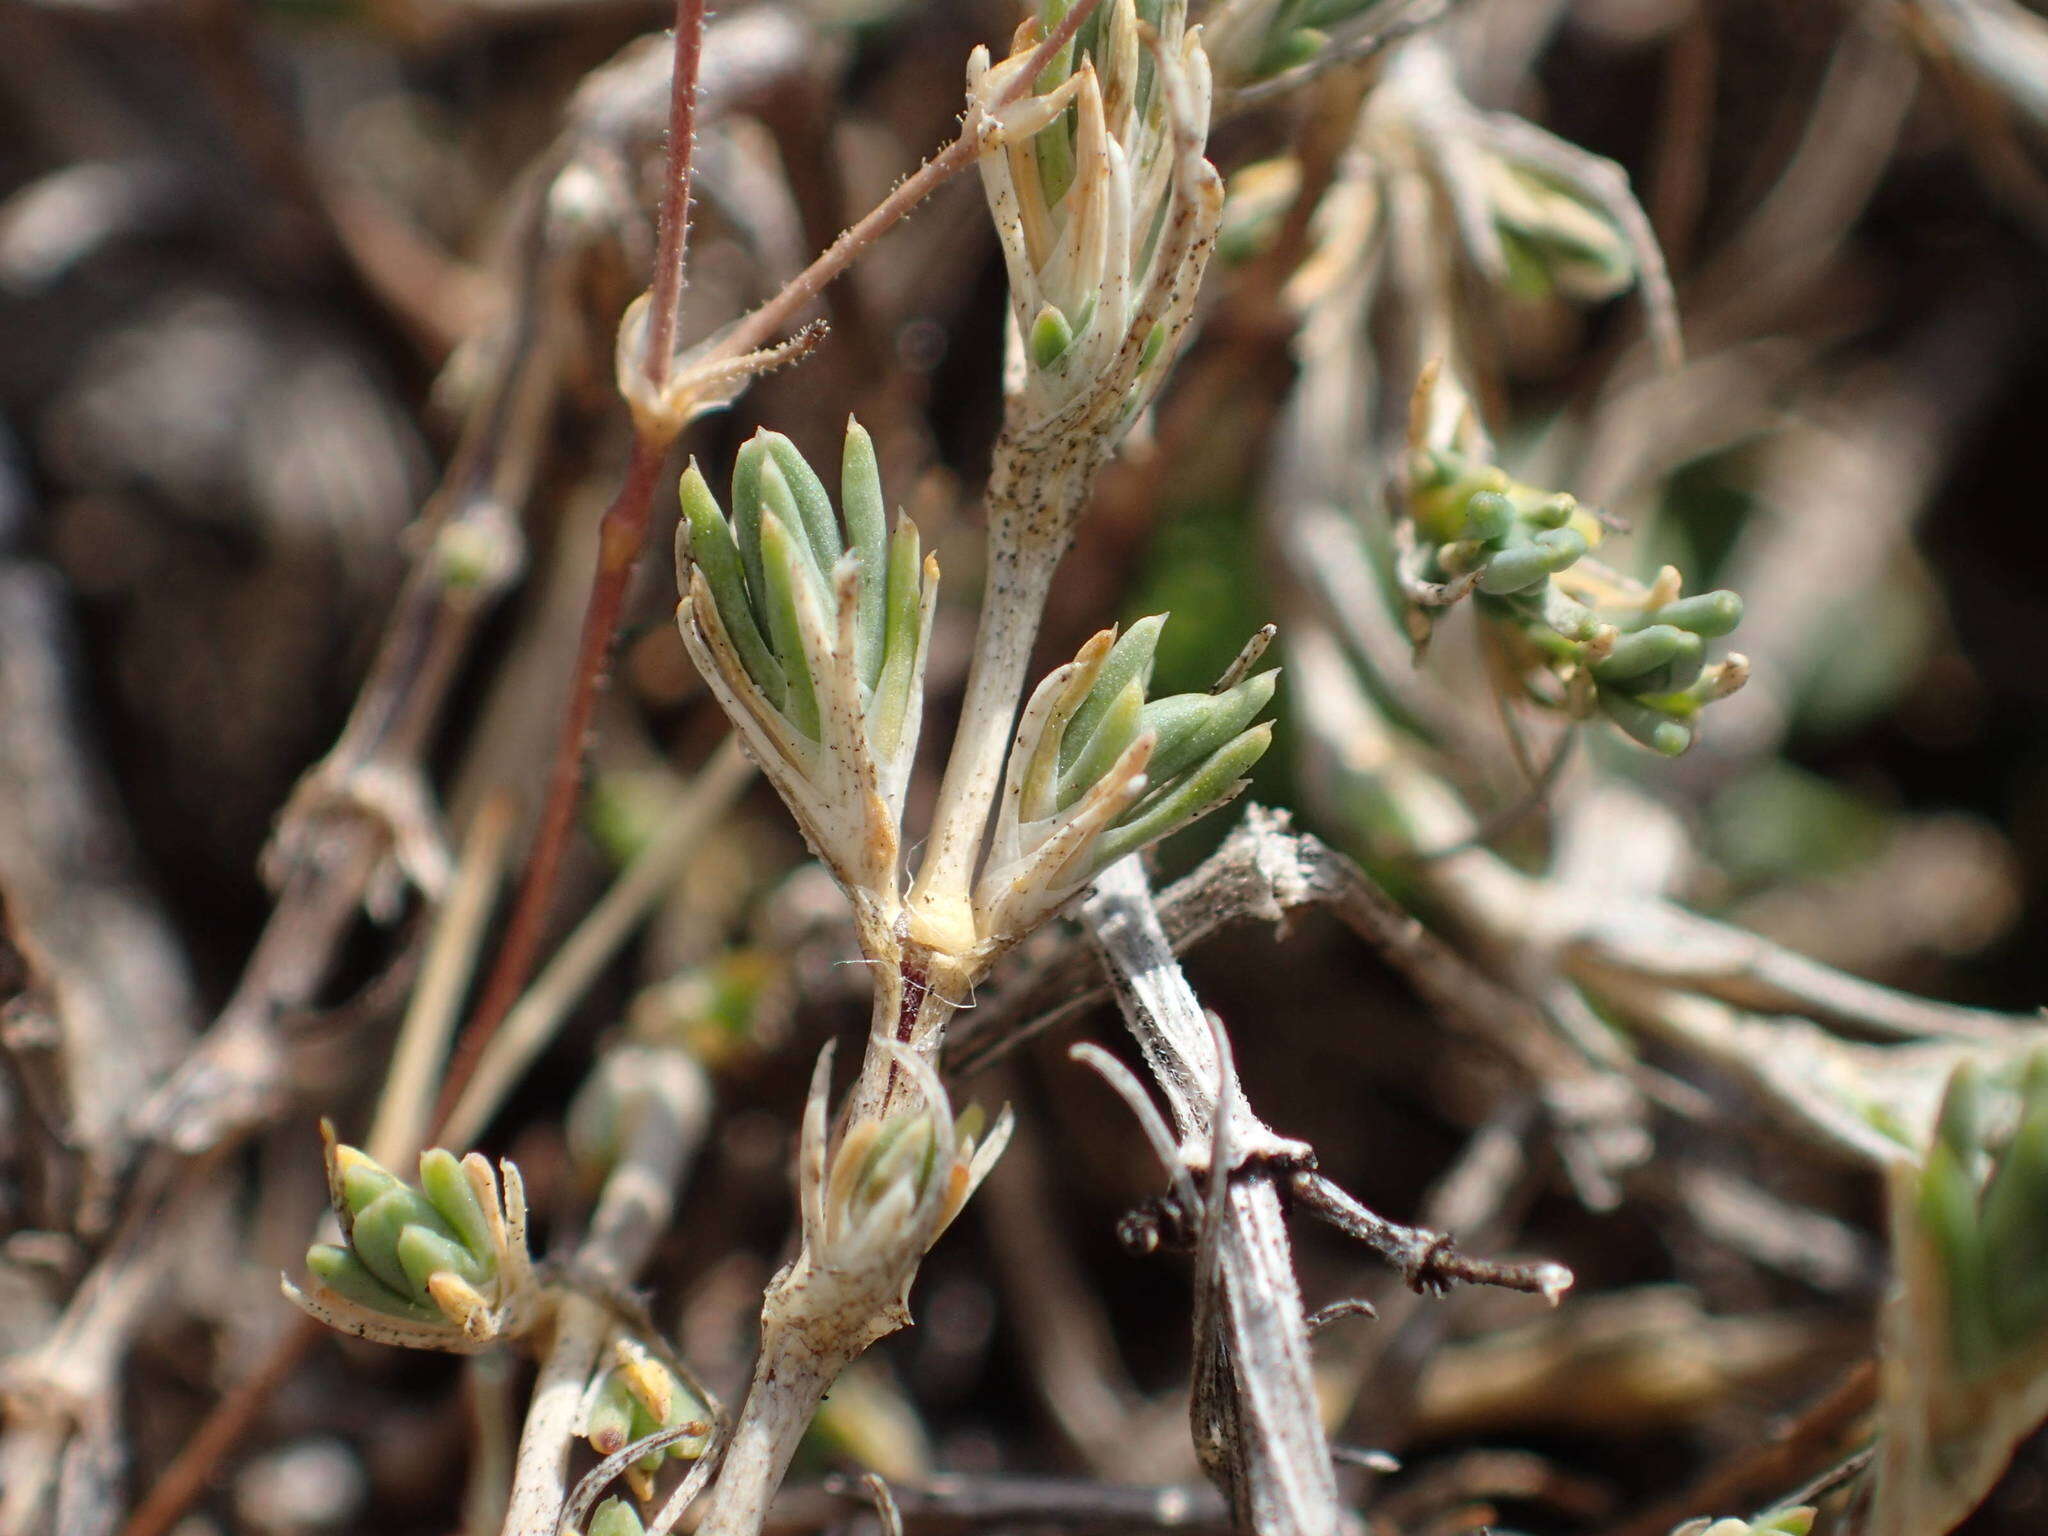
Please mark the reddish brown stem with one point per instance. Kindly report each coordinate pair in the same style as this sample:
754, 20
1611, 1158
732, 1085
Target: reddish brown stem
672, 235
186, 1477
621, 537
758, 326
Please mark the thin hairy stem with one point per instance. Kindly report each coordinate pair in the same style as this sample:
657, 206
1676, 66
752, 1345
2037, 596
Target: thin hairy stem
622, 536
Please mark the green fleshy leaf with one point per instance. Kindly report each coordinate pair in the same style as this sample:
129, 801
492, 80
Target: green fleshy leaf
1488, 516
609, 1428
1708, 614
779, 502
363, 1182
1659, 732
1642, 652
1666, 687
1051, 335
1054, 146
348, 1277
889, 706
1564, 547
378, 1226
785, 562
1130, 658
1962, 1119
713, 551
2015, 1231
615, 1517
1117, 729
746, 521
1155, 343
1948, 1215
1190, 726
422, 1254
1514, 569
867, 530
813, 503
1196, 794
447, 1188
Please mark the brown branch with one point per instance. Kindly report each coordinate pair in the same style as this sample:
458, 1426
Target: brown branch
1428, 1261
622, 537
1264, 871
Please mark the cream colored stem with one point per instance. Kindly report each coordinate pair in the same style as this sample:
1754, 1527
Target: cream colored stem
1034, 497
667, 1123
790, 1380
542, 1477
912, 1005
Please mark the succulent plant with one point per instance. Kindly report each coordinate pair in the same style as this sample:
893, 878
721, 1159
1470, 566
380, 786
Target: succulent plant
1965, 1335
1106, 212
1580, 637
439, 1264
812, 631
1097, 770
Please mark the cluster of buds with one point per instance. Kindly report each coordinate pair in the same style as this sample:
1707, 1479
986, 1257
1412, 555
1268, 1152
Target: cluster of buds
881, 1197
813, 637
1098, 770
1106, 210
870, 1208
440, 1265
1779, 1522
1579, 636
1965, 1334
636, 1396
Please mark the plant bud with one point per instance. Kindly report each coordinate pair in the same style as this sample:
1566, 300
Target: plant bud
1709, 614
